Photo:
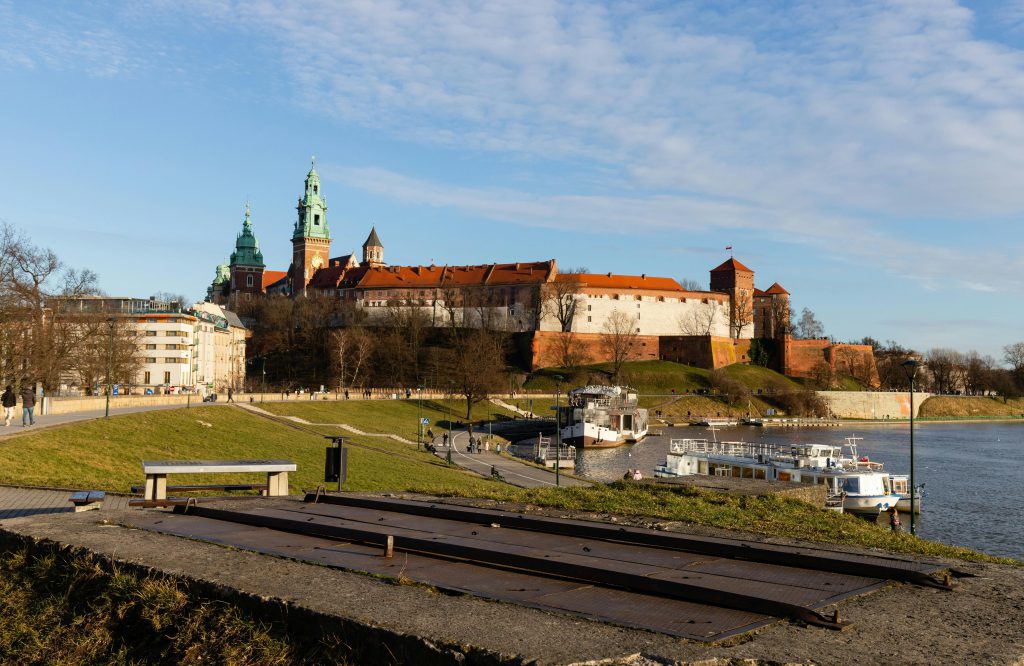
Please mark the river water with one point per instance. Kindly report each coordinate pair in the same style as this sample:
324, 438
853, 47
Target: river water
973, 473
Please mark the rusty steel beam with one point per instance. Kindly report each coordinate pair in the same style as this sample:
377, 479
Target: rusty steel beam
537, 564
850, 564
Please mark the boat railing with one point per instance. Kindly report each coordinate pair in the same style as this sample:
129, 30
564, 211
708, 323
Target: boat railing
703, 446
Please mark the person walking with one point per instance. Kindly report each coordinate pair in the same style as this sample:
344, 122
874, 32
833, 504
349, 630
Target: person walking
230, 395
28, 404
10, 401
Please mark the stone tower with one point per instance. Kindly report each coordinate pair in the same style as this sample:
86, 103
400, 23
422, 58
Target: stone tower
246, 265
735, 279
373, 251
311, 239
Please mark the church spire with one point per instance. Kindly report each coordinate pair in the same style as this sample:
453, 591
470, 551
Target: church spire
312, 209
373, 249
247, 247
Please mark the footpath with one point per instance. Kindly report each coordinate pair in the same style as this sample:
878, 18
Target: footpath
513, 471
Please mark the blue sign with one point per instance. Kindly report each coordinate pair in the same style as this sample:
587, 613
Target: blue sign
424, 421
117, 389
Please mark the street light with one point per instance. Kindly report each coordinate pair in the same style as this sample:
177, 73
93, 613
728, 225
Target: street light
110, 362
419, 419
451, 442
558, 430
911, 367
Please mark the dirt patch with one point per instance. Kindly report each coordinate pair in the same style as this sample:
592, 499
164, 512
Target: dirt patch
981, 622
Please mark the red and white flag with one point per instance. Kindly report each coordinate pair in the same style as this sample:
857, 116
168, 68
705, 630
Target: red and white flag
728, 247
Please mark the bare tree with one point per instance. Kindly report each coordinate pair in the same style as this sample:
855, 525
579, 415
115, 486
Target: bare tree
701, 320
1014, 357
571, 351
947, 368
780, 318
561, 297
823, 376
742, 312
978, 377
808, 327
479, 367
351, 349
618, 339
690, 285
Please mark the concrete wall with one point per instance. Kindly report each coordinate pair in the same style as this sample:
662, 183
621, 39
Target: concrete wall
872, 405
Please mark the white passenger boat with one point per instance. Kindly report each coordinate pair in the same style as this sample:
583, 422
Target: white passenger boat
900, 483
862, 486
603, 416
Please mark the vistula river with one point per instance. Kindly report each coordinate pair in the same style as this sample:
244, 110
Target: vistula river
973, 473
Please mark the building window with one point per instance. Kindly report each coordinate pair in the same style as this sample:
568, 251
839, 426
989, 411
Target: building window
316, 220
248, 280
150, 346
150, 360
150, 333
145, 377
588, 318
167, 377
589, 308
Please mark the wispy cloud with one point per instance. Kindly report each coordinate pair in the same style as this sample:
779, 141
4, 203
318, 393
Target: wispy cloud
933, 266
64, 42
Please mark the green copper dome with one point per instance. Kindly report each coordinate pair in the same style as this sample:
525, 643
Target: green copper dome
223, 274
247, 248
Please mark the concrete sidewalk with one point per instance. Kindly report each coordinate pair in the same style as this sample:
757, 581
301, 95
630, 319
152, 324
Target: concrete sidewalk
61, 419
514, 471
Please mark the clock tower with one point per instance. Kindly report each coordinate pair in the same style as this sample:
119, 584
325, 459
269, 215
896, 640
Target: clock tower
311, 239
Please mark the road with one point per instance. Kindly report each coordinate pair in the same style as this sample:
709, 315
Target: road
514, 471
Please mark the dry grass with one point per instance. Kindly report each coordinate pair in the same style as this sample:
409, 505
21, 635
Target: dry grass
943, 406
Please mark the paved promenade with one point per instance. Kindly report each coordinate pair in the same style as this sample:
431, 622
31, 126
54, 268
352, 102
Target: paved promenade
514, 471
60, 419
20, 502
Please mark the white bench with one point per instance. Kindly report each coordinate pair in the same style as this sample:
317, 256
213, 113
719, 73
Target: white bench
156, 472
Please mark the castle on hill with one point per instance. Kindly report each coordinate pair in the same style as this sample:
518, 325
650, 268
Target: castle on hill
709, 328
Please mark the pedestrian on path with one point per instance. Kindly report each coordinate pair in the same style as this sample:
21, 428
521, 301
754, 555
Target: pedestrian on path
28, 404
10, 401
230, 395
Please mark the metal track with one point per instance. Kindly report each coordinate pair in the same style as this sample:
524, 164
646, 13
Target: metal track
889, 568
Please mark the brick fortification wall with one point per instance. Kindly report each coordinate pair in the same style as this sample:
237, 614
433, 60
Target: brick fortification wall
546, 348
800, 358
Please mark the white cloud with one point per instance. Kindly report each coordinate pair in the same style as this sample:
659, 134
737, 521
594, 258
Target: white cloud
69, 42
922, 260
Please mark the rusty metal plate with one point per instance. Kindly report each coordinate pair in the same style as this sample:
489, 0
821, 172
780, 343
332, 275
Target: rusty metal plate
669, 616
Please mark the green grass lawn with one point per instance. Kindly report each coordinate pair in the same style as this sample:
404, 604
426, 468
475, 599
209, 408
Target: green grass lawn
657, 377
394, 417
107, 455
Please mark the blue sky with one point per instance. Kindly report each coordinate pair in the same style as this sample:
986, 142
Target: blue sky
869, 156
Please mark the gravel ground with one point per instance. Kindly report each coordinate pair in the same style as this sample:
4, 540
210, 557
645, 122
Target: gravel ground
981, 622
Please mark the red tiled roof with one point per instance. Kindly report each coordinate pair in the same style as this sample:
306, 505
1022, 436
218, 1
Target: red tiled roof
328, 277
776, 288
612, 281
270, 278
731, 264
460, 276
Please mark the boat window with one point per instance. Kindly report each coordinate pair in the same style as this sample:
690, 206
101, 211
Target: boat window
851, 484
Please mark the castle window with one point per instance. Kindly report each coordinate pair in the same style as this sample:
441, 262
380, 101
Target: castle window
315, 188
316, 219
588, 319
248, 280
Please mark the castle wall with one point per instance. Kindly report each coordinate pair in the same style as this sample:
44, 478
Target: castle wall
801, 357
657, 313
546, 349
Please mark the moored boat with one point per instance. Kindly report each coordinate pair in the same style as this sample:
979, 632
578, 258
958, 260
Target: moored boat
857, 486
603, 416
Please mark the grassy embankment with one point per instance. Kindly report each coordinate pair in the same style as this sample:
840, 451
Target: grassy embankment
106, 455
656, 381
971, 407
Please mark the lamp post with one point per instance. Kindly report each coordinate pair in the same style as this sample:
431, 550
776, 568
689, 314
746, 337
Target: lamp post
419, 417
263, 394
110, 362
911, 366
558, 430
451, 442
